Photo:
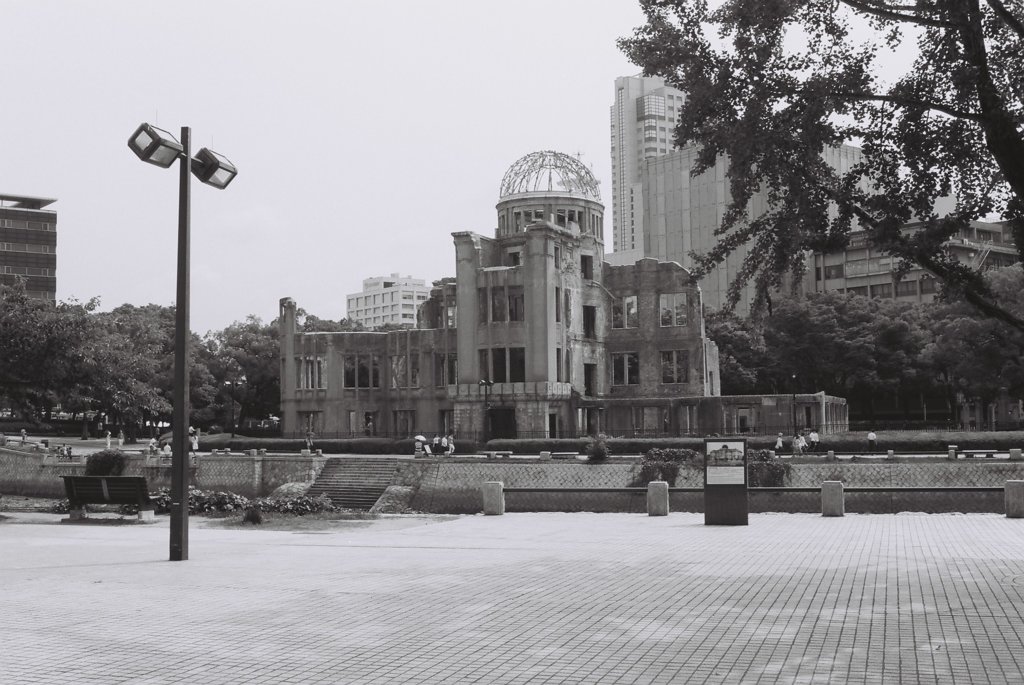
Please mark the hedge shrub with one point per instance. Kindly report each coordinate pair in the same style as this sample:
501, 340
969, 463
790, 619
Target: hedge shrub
665, 464
105, 463
764, 470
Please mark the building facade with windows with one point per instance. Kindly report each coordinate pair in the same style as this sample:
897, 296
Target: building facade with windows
534, 336
385, 300
682, 213
863, 270
28, 244
643, 118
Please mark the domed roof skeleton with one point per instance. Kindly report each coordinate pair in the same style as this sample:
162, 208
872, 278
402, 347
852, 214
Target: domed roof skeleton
530, 173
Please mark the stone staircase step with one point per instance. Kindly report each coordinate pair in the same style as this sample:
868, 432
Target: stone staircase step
354, 483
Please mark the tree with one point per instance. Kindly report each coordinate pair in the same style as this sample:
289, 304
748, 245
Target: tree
742, 354
787, 78
973, 356
251, 349
42, 346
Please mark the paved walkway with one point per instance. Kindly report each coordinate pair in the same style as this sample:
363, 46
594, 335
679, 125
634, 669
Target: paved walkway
521, 598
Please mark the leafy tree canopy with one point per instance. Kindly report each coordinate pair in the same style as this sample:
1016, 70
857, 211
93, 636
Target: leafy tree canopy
772, 83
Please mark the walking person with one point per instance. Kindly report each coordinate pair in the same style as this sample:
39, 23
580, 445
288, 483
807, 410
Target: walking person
451, 444
24, 436
108, 440
193, 441
444, 445
778, 444
872, 438
120, 439
812, 439
309, 442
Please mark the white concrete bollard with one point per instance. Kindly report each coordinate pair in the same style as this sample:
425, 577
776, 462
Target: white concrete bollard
890, 455
494, 498
1014, 499
951, 452
657, 498
831, 456
1015, 455
832, 498
545, 456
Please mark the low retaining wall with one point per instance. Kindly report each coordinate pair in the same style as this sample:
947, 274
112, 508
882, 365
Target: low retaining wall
454, 487
37, 474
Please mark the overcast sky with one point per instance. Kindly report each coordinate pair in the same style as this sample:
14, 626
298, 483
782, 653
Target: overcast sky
365, 133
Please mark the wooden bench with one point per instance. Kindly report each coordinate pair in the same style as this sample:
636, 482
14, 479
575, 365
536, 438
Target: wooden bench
82, 490
564, 455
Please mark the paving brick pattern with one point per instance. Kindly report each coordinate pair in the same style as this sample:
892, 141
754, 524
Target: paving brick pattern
521, 598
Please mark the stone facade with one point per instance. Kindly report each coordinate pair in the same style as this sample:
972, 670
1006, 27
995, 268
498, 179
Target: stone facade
535, 336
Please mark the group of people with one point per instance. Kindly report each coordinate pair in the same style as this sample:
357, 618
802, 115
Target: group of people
441, 445
799, 443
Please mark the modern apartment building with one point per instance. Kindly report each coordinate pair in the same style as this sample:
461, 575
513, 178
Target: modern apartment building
28, 244
642, 122
390, 299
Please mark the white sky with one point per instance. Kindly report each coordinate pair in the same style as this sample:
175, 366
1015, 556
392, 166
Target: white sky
365, 133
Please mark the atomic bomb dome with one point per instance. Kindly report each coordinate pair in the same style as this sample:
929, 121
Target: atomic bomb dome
549, 171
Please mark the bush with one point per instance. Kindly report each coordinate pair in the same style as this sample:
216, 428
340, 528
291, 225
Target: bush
764, 470
299, 506
597, 449
664, 464
105, 463
252, 515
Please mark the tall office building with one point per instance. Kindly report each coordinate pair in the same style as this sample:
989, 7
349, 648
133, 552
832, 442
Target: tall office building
28, 244
682, 213
642, 122
390, 299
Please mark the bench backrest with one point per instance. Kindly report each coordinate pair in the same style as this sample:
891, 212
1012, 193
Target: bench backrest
107, 490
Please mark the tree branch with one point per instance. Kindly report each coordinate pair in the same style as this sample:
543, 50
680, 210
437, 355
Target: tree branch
1015, 24
887, 12
911, 102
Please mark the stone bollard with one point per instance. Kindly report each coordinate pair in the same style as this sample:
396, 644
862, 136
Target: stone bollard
545, 456
890, 455
657, 498
494, 498
771, 454
1014, 499
1015, 455
832, 498
251, 453
951, 452
305, 453
831, 455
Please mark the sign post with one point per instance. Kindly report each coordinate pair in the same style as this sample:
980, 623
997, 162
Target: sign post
725, 482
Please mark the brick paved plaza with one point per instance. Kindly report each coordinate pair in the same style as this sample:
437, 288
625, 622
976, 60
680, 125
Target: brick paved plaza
521, 598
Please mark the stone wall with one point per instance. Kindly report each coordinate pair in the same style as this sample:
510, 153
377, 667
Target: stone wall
37, 474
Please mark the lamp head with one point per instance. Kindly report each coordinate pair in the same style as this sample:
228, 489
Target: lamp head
213, 168
155, 145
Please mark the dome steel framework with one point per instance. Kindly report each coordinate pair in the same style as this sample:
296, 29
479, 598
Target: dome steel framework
549, 171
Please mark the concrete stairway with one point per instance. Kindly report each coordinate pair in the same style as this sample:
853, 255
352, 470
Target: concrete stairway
354, 482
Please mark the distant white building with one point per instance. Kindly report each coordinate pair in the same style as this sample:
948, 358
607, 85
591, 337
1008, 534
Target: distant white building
390, 299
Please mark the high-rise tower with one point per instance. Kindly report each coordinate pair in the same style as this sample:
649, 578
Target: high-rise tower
642, 122
28, 244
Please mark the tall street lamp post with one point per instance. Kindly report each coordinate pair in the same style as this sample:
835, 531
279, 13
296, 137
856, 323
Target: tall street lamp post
486, 385
231, 385
156, 146
793, 404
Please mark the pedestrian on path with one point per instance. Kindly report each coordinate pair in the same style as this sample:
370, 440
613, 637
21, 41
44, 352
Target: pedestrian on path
108, 440
778, 444
812, 440
24, 436
120, 439
193, 441
451, 444
872, 438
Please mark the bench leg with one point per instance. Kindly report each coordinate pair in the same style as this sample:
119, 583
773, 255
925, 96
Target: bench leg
78, 514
